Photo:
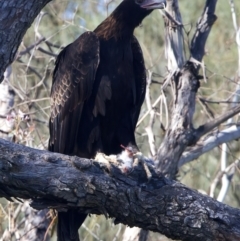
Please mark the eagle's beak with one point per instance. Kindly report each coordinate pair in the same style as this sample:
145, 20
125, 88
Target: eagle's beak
152, 4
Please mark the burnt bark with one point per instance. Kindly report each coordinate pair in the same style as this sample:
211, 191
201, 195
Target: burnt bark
57, 181
15, 18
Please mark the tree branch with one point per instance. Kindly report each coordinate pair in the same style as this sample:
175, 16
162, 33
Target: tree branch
159, 205
212, 141
209, 126
15, 18
174, 44
180, 133
203, 29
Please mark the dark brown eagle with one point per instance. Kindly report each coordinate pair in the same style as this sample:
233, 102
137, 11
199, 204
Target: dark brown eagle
98, 88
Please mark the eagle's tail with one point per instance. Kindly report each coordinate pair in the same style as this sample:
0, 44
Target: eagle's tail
68, 224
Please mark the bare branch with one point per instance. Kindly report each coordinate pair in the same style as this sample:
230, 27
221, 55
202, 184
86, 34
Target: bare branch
174, 45
29, 48
212, 141
218, 101
203, 29
229, 172
46, 52
149, 128
203, 129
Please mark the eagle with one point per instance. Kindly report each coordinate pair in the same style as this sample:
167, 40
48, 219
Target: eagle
98, 88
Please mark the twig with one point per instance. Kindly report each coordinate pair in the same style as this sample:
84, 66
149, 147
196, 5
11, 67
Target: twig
203, 129
27, 50
218, 101
229, 171
47, 52
31, 69
228, 174
149, 128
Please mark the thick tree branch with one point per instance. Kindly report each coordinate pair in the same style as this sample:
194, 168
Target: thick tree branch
15, 18
180, 132
159, 205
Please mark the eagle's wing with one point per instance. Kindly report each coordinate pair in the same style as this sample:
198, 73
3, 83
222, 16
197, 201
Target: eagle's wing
140, 78
73, 80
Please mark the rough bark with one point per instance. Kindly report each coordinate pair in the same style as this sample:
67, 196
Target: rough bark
203, 29
181, 133
160, 205
15, 18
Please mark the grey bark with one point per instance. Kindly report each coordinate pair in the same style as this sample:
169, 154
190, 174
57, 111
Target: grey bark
181, 133
57, 181
16, 16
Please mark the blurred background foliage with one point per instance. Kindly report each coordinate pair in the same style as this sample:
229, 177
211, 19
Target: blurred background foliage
60, 23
